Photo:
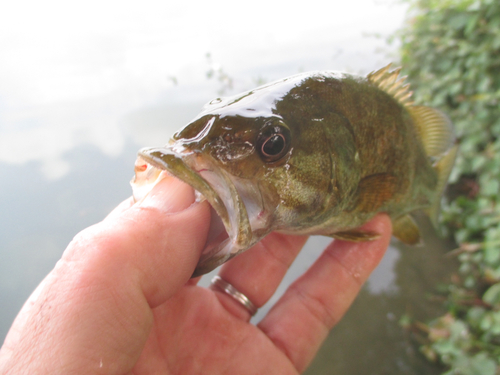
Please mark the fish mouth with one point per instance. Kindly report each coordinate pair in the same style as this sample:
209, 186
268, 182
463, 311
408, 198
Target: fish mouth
224, 241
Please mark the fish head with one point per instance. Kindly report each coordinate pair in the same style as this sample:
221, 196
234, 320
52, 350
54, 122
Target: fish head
227, 159
253, 162
240, 146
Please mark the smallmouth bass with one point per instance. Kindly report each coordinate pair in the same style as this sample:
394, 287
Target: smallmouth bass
315, 153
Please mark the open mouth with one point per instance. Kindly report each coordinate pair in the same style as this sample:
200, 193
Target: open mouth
230, 231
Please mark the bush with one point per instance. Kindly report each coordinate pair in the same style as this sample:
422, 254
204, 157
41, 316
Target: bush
451, 53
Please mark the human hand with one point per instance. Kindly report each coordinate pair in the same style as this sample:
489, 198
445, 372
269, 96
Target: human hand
120, 300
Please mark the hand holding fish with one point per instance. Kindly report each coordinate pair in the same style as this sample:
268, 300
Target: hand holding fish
121, 299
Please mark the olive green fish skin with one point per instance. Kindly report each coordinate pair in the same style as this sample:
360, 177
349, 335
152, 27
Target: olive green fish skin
342, 130
339, 150
353, 130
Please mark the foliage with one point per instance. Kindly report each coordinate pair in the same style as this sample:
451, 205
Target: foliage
451, 53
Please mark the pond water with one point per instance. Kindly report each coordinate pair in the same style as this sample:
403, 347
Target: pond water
75, 106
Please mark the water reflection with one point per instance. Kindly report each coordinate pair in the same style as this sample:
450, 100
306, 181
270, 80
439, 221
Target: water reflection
74, 110
39, 217
47, 133
383, 279
369, 339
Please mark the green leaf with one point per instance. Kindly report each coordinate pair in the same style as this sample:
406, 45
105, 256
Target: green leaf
450, 52
480, 364
471, 24
491, 254
495, 329
492, 295
475, 314
490, 187
458, 20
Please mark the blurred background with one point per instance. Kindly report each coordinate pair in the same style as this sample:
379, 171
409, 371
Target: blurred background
84, 85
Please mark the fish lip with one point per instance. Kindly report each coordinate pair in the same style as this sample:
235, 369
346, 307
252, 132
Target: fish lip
236, 222
166, 159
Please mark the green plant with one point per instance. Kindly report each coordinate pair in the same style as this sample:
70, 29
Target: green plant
451, 51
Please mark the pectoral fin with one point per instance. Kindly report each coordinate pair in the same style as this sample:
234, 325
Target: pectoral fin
373, 192
390, 82
355, 235
406, 230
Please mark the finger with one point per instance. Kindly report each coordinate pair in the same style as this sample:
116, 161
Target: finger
165, 231
118, 210
258, 272
302, 318
194, 281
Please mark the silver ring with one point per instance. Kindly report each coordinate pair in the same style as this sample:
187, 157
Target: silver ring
231, 291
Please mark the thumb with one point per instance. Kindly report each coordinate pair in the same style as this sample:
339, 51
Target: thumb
159, 240
170, 195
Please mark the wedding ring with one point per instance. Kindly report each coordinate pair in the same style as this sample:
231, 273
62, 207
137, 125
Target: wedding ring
223, 286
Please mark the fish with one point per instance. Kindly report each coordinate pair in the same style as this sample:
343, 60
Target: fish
317, 153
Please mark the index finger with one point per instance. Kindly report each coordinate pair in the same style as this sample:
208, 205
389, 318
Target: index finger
301, 319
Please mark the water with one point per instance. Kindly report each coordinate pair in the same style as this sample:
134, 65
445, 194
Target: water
74, 113
369, 340
40, 216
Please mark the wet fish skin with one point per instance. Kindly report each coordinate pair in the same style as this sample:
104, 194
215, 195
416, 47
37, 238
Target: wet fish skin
316, 153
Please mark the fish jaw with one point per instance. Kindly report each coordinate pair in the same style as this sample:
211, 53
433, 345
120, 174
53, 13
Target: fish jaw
219, 190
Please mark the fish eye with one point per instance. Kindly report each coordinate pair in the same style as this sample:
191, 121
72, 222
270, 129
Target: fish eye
273, 143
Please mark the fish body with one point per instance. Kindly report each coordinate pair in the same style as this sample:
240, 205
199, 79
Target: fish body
315, 153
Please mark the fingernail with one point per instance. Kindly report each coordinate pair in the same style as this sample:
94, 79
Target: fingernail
170, 195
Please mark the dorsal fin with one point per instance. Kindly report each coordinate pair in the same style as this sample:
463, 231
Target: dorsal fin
435, 129
388, 81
